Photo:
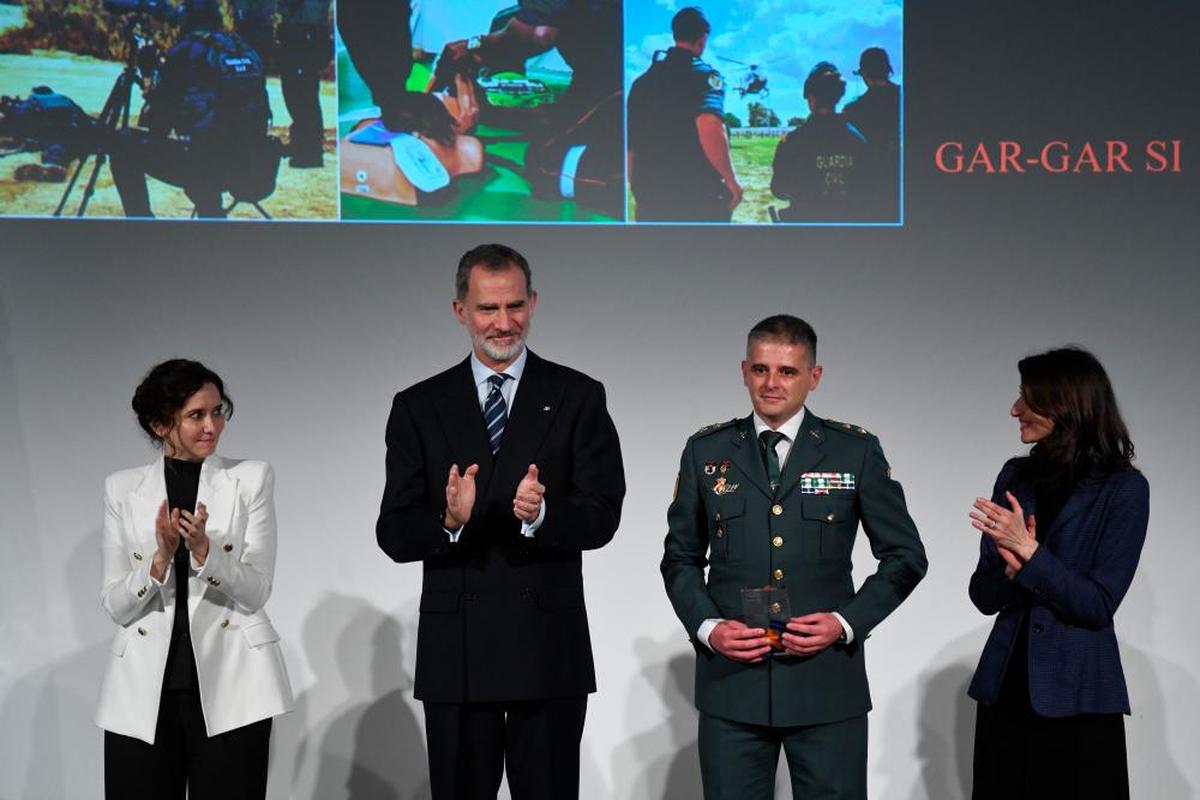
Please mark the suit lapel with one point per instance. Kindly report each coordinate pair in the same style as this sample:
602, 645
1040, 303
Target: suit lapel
217, 490
534, 408
806, 454
143, 503
747, 456
462, 422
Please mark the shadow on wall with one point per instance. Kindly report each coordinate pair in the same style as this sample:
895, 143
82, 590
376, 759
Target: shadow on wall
946, 720
1157, 687
664, 758
354, 733
24, 619
49, 711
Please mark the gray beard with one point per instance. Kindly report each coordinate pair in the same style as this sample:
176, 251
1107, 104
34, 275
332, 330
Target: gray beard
497, 353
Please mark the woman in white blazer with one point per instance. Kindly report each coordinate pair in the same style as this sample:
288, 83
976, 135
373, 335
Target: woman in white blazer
191, 687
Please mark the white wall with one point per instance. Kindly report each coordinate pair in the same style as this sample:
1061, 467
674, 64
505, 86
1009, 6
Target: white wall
314, 327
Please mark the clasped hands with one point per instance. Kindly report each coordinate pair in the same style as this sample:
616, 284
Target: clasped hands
460, 496
172, 524
1013, 533
804, 636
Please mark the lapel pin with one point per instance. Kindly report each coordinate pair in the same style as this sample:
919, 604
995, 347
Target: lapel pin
545, 408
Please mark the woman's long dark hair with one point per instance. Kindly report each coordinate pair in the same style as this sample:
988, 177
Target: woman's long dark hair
1070, 386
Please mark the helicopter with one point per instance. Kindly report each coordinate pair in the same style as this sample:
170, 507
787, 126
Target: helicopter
752, 81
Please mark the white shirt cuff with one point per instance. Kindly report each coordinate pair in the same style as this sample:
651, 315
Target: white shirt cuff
706, 629
528, 529
845, 627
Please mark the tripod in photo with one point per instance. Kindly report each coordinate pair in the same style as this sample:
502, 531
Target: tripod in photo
115, 115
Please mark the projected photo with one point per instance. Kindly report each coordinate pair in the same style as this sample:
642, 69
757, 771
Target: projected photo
481, 111
140, 108
760, 113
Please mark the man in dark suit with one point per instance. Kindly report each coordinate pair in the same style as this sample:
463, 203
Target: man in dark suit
774, 500
500, 472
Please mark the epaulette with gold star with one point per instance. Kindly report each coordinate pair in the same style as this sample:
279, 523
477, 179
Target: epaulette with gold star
716, 426
847, 427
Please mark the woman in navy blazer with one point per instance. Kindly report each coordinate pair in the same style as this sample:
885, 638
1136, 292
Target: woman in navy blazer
1062, 535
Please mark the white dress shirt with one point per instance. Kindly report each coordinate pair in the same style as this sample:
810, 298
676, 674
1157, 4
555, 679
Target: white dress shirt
508, 390
783, 448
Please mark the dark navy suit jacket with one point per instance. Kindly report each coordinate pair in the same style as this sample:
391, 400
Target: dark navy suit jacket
1071, 588
502, 616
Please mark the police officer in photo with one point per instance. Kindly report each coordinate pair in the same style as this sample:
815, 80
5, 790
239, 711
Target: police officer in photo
819, 165
679, 164
206, 122
305, 50
300, 49
378, 39
576, 144
876, 115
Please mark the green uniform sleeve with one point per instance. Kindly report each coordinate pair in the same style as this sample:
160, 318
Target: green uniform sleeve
686, 550
894, 541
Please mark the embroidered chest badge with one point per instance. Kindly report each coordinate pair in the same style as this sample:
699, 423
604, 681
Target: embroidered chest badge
826, 482
722, 486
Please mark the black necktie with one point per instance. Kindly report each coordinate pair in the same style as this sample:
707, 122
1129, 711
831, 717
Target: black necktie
495, 410
769, 439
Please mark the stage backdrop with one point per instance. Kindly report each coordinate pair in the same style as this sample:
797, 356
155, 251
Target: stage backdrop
315, 326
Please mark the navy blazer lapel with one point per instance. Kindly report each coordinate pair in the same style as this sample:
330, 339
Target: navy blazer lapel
747, 455
806, 453
534, 409
462, 422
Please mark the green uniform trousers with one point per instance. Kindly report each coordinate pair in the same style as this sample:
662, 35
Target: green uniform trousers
738, 760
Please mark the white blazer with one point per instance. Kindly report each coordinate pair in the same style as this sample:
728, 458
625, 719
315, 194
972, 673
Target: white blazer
238, 660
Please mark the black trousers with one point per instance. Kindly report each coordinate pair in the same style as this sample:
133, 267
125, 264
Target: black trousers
228, 766
136, 154
304, 52
537, 741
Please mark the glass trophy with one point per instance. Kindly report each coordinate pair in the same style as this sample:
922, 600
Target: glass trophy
767, 607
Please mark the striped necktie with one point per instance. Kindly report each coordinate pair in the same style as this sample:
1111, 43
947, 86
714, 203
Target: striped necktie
495, 410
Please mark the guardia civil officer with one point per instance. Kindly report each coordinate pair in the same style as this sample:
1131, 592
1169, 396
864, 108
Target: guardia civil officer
576, 144
876, 115
300, 48
818, 166
775, 499
678, 159
205, 120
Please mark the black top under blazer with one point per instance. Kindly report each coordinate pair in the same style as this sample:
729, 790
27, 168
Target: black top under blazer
502, 616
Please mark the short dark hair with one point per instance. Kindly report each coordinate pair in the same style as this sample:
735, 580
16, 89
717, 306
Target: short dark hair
824, 85
492, 257
874, 63
166, 389
689, 25
786, 329
1069, 386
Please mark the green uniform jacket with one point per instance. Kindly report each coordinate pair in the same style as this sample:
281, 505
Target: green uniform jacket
800, 536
